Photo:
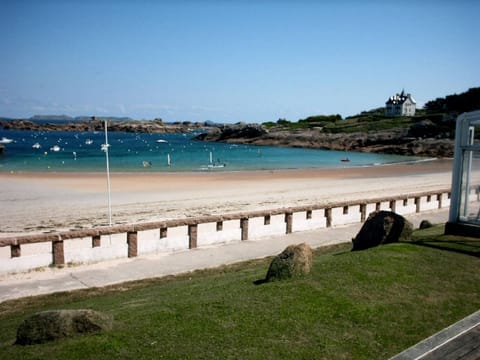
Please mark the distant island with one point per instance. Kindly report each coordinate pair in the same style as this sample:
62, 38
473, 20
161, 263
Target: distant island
38, 123
66, 118
430, 132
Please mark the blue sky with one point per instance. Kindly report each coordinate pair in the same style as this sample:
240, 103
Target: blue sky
231, 61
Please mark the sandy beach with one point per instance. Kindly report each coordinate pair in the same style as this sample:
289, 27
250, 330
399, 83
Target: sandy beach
42, 202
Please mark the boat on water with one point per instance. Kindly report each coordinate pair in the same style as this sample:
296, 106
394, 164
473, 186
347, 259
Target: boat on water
214, 165
55, 148
89, 142
5, 140
161, 141
346, 159
36, 146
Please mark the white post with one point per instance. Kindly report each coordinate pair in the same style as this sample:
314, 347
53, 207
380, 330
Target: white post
456, 190
108, 176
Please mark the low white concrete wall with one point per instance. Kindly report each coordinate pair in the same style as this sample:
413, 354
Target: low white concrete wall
301, 223
79, 251
209, 235
345, 216
33, 256
177, 237
149, 241
257, 228
404, 207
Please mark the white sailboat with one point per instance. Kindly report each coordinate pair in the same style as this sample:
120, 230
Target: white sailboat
213, 165
168, 160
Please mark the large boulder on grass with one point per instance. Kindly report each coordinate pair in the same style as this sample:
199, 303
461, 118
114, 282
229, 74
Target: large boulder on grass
382, 227
295, 260
58, 324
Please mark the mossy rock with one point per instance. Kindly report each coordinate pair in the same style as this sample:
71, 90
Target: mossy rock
59, 324
295, 260
382, 227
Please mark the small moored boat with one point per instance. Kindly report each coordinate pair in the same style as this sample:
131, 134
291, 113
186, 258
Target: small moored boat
5, 140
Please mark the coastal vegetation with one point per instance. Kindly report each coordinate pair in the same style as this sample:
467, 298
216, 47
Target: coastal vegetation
367, 304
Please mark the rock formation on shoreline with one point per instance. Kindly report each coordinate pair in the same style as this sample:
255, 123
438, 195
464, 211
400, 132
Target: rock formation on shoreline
143, 126
399, 141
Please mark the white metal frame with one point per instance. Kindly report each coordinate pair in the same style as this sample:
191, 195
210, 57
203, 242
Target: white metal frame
464, 144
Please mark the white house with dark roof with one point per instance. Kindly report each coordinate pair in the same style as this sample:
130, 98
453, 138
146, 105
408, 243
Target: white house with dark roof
400, 105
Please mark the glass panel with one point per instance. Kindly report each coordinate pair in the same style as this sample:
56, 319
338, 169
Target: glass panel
469, 201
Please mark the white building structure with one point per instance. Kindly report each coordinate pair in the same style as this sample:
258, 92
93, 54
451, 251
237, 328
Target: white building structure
400, 105
464, 216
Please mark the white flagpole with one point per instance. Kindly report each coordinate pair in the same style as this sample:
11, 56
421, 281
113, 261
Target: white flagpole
108, 177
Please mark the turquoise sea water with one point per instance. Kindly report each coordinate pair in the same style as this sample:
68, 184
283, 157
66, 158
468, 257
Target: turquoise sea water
137, 152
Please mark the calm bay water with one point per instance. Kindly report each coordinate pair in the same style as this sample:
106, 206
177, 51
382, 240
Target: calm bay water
129, 152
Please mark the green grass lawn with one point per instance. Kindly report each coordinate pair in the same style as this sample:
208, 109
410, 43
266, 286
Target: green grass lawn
354, 305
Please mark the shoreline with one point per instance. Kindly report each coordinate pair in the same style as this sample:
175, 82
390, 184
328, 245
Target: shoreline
437, 163
43, 202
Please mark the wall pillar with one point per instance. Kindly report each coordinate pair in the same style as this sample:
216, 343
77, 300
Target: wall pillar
418, 201
96, 241
393, 205
192, 236
15, 251
163, 232
132, 243
328, 216
308, 215
244, 227
439, 199
266, 220
363, 212
58, 252
289, 222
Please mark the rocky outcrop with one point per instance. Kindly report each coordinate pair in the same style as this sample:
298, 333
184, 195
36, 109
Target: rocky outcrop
59, 324
295, 260
382, 227
98, 125
241, 132
398, 141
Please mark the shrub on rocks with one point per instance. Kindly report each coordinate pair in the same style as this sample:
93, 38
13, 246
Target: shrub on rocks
295, 260
58, 324
382, 227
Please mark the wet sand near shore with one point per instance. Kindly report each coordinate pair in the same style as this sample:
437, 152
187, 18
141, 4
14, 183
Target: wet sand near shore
42, 202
